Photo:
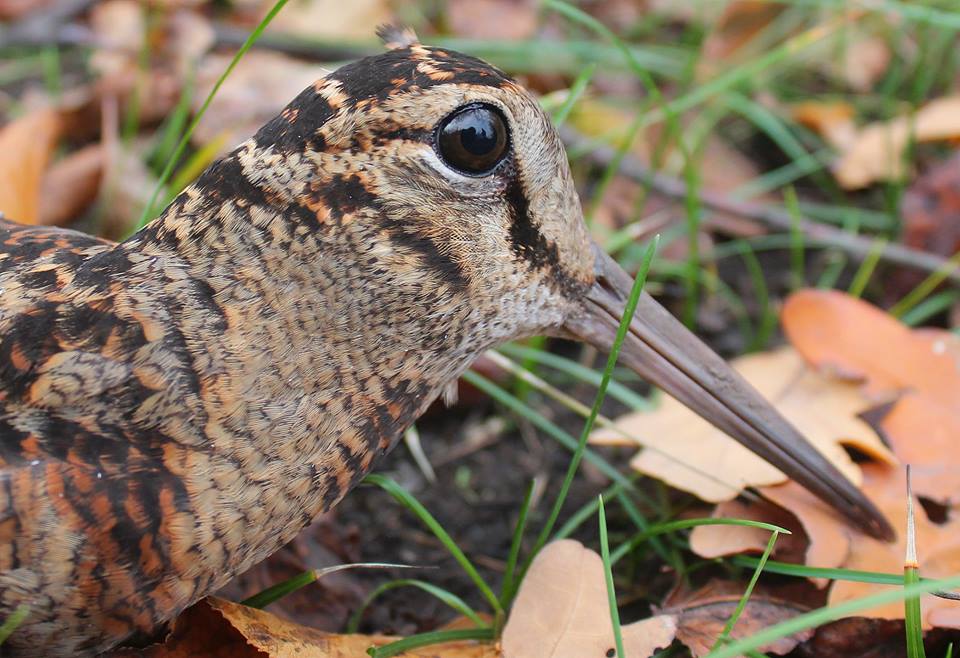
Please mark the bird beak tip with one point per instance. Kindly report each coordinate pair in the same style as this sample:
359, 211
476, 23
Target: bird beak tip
662, 350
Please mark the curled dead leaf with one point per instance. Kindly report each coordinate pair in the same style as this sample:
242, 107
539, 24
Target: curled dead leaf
690, 454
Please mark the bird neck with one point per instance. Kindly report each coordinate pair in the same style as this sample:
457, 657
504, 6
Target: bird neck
309, 355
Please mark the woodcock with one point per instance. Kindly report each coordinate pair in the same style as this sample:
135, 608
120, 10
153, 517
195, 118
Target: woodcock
176, 407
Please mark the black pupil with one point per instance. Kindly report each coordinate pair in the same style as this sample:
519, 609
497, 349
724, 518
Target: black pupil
474, 139
479, 138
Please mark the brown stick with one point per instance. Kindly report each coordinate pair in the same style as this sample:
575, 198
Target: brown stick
776, 218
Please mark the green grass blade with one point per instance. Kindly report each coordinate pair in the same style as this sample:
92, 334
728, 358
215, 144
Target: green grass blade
427, 639
563, 437
291, 585
912, 616
926, 287
577, 89
570, 367
405, 498
174, 124
767, 323
865, 271
608, 576
797, 247
13, 621
643, 525
749, 71
276, 592
930, 307
588, 509
574, 465
449, 598
148, 210
508, 591
831, 613
803, 571
742, 604
684, 524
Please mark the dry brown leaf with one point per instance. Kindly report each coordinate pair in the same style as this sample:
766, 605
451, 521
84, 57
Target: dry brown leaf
561, 611
865, 59
834, 544
724, 540
877, 152
119, 29
859, 636
692, 455
217, 628
26, 146
702, 615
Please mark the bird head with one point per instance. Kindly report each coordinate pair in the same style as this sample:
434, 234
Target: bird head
457, 188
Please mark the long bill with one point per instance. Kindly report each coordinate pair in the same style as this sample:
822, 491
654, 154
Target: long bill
662, 350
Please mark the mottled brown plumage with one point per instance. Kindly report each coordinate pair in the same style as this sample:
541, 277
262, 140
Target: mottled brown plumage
176, 407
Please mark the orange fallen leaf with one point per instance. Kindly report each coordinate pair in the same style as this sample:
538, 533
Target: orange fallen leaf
690, 454
561, 611
834, 544
26, 146
859, 341
222, 629
864, 344
877, 152
832, 120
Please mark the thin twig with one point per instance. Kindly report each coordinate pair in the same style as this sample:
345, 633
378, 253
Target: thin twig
777, 218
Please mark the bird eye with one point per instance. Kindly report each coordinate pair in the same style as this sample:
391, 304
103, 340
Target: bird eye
473, 139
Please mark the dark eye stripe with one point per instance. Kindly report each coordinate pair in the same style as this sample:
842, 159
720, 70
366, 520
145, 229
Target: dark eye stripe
529, 244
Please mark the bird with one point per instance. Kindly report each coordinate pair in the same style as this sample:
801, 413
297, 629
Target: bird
177, 406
